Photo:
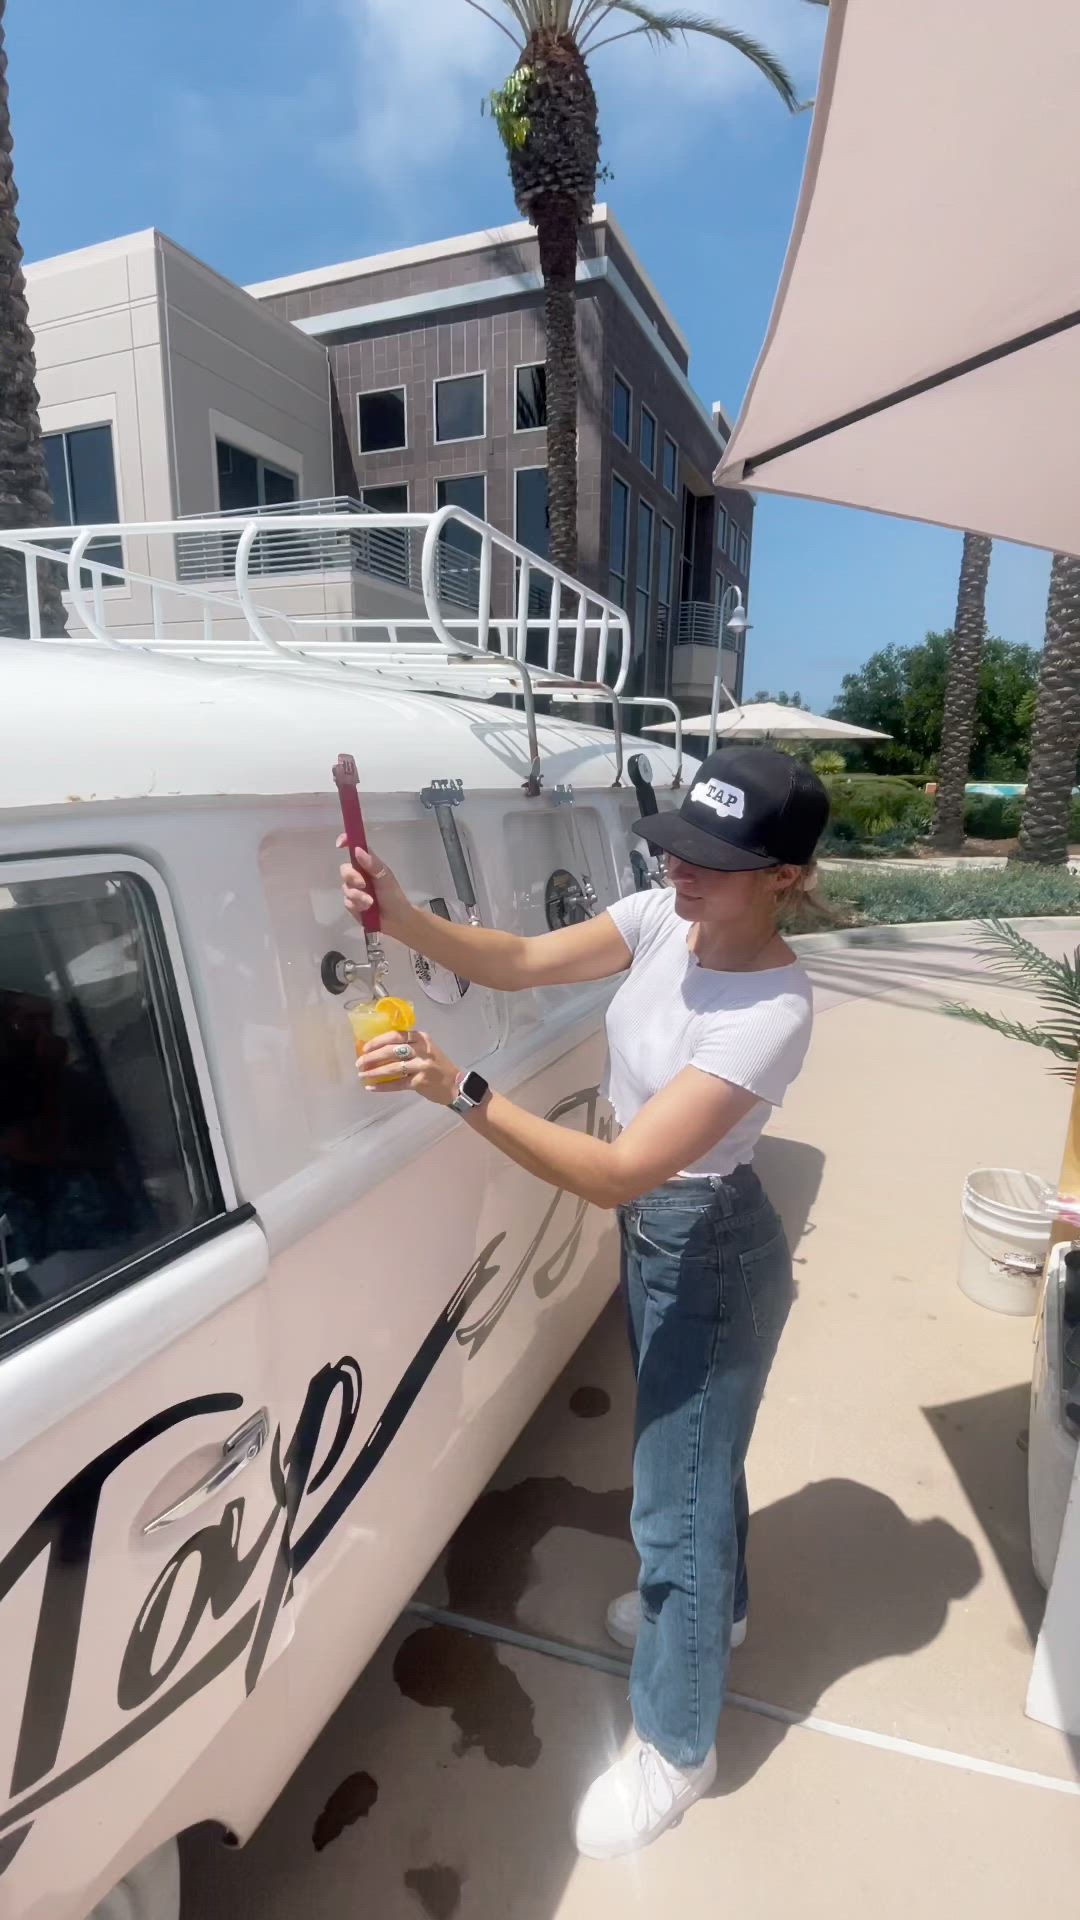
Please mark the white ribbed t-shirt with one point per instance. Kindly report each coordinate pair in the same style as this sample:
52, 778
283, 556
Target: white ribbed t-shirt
751, 1029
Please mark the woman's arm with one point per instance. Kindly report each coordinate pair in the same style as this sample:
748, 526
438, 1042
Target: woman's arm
678, 1125
595, 950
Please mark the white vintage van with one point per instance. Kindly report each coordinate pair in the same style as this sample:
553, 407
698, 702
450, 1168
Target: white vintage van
261, 1342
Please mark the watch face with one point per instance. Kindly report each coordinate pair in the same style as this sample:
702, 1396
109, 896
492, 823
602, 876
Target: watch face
474, 1087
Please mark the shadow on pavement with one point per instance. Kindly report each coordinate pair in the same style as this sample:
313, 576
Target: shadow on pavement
840, 1577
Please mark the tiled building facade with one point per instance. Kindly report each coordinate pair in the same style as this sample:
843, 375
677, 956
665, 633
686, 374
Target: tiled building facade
435, 392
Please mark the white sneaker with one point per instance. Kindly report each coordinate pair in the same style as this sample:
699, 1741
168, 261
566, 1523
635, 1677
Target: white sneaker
624, 1622
636, 1801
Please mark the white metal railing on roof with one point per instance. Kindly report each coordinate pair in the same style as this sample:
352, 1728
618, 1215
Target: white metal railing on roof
389, 554
577, 649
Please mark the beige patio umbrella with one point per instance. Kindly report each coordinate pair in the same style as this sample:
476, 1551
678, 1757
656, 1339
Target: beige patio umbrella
769, 720
923, 356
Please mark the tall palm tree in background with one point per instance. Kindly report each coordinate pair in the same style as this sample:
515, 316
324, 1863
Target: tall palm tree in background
548, 118
1055, 735
961, 693
25, 500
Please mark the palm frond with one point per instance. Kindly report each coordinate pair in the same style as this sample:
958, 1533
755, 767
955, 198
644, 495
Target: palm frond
495, 21
1018, 958
665, 27
1055, 982
1014, 1030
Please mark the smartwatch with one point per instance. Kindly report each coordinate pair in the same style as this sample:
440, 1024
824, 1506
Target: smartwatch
472, 1091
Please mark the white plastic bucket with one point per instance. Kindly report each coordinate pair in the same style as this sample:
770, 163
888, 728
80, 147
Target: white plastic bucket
1007, 1220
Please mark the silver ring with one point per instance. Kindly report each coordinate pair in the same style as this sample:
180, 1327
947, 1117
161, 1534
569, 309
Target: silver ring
403, 1053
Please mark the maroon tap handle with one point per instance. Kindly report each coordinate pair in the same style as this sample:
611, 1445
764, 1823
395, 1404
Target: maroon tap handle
347, 781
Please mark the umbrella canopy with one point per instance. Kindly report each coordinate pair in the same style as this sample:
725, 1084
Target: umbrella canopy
768, 720
923, 356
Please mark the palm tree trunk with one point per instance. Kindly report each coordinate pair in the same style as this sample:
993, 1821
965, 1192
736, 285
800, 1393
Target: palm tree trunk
557, 231
24, 484
961, 693
1055, 735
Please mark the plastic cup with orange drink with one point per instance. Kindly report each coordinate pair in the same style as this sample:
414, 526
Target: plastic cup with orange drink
372, 1019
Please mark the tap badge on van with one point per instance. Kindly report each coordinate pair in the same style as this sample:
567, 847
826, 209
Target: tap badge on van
328, 1447
728, 802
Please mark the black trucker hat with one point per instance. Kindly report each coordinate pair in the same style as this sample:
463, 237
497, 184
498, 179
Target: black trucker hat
746, 807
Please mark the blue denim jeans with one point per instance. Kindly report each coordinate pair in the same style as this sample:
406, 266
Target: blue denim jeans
708, 1286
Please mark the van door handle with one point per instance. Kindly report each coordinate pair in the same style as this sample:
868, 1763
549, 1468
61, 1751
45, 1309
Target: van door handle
237, 1454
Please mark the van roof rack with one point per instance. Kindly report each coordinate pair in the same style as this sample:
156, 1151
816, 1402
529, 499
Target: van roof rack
564, 641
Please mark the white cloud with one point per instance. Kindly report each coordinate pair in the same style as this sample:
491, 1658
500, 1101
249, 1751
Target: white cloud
423, 67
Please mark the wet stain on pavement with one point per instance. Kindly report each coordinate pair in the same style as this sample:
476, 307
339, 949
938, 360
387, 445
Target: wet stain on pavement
438, 1890
350, 1802
489, 1563
590, 1403
438, 1667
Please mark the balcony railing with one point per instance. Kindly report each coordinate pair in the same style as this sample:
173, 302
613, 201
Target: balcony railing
391, 554
699, 626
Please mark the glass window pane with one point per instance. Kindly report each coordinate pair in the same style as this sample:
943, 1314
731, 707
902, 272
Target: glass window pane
103, 1148
644, 544
667, 560
648, 440
671, 465
465, 490
641, 618
459, 408
279, 488
620, 413
381, 419
620, 523
386, 499
238, 478
56, 465
93, 476
531, 398
532, 524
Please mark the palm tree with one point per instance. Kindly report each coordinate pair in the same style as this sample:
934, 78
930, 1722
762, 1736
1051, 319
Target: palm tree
548, 117
1055, 734
25, 500
961, 693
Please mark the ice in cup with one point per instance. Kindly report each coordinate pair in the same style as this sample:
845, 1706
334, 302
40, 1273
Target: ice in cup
371, 1019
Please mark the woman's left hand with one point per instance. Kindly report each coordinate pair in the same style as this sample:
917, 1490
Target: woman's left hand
408, 1063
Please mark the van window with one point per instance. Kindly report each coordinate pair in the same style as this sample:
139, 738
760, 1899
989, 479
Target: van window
103, 1148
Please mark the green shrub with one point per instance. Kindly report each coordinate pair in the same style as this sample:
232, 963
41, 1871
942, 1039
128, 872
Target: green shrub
991, 816
873, 813
876, 896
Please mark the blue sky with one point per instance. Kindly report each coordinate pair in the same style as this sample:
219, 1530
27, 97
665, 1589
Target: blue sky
271, 135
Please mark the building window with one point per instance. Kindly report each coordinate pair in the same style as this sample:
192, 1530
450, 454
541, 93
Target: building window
744, 555
664, 584
381, 420
244, 480
460, 404
106, 1156
721, 528
531, 398
82, 481
621, 411
643, 604
732, 540
459, 547
385, 499
648, 440
671, 465
532, 529
620, 533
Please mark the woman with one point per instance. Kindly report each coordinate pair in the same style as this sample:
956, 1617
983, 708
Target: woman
706, 1034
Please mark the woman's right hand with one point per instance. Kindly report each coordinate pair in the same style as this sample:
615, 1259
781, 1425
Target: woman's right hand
369, 882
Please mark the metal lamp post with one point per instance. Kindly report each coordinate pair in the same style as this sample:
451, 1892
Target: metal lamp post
732, 616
